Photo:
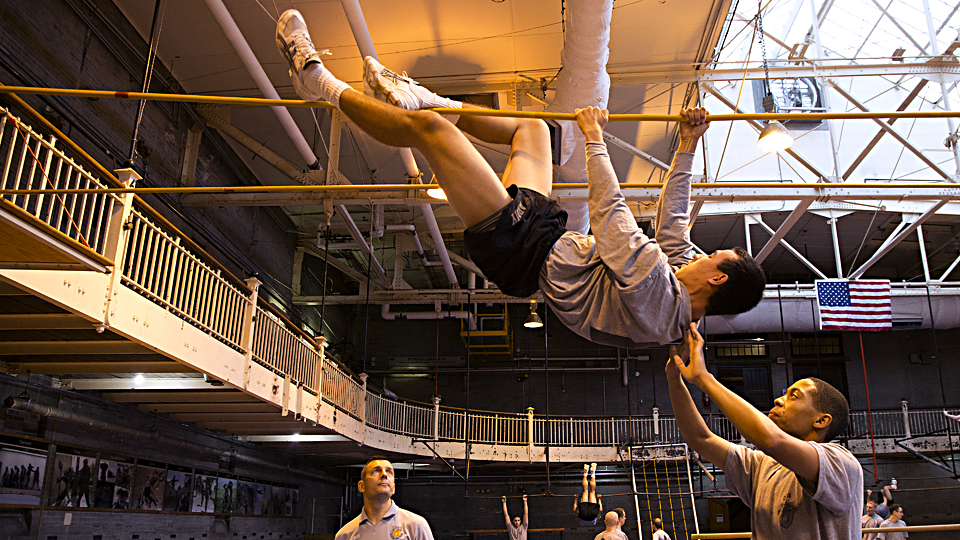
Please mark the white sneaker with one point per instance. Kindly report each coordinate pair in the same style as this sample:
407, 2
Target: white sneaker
385, 85
293, 42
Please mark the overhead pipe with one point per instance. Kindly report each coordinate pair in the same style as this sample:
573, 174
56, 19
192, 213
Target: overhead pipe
256, 71
365, 43
426, 315
152, 434
260, 77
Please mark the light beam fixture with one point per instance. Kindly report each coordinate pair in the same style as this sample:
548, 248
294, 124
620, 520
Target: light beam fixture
773, 137
436, 192
533, 320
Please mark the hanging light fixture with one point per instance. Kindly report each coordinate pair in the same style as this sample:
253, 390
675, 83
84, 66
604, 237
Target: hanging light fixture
533, 320
435, 191
773, 137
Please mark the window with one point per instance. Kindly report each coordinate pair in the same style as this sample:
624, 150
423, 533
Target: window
752, 383
806, 344
740, 350
834, 373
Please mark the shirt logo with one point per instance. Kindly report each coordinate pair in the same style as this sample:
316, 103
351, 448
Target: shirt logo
518, 212
397, 532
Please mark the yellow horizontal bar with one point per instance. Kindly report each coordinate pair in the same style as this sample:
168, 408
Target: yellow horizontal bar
423, 187
262, 102
152, 96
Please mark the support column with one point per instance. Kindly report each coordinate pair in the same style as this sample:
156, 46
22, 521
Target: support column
249, 325
656, 422
436, 417
906, 418
297, 271
530, 433
115, 245
363, 408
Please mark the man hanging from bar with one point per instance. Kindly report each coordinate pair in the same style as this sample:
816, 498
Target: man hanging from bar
616, 287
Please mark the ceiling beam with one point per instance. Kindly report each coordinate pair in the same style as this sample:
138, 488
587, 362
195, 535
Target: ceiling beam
783, 229
894, 133
876, 138
217, 418
148, 384
759, 221
210, 394
208, 407
893, 241
59, 368
44, 321
33, 348
296, 438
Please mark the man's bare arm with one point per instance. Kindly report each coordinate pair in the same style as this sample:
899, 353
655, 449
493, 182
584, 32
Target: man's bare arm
789, 451
506, 514
525, 522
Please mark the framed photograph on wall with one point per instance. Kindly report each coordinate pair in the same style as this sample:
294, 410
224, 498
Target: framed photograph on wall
246, 495
226, 497
114, 474
204, 488
177, 492
148, 484
73, 478
22, 464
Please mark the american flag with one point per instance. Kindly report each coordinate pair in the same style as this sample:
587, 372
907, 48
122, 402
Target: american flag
854, 305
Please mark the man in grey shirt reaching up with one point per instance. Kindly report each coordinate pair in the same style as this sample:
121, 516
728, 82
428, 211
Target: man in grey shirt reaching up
616, 287
796, 483
516, 529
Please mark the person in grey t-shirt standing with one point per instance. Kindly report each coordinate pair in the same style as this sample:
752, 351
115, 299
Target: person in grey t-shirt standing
796, 483
516, 529
895, 520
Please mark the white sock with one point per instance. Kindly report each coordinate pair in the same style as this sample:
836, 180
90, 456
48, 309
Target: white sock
431, 100
319, 83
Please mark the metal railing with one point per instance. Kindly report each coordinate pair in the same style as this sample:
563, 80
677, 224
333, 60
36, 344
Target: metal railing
157, 266
342, 391
284, 351
401, 418
32, 162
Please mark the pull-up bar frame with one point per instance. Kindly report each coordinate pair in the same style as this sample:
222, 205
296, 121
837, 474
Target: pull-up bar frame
263, 102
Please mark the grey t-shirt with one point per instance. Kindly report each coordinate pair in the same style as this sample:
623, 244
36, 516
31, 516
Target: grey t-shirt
892, 535
517, 533
617, 287
784, 505
661, 535
396, 524
869, 521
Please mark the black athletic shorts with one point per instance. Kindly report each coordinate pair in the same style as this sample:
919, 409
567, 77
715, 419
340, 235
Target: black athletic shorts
510, 246
587, 511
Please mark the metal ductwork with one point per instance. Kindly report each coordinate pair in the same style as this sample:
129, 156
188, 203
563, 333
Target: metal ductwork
582, 82
31, 407
799, 315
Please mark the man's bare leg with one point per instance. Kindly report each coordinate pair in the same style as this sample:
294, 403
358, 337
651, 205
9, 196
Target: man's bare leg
586, 489
593, 482
530, 165
472, 187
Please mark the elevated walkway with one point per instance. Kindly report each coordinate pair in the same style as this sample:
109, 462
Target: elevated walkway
96, 287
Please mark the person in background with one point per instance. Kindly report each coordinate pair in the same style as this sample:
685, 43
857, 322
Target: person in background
516, 529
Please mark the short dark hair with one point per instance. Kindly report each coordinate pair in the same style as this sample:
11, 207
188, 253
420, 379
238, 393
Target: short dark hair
827, 399
658, 523
893, 508
363, 472
743, 288
620, 512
